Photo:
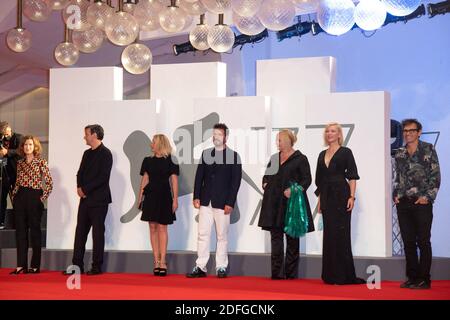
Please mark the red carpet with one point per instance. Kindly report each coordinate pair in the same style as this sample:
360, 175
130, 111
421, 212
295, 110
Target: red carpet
52, 285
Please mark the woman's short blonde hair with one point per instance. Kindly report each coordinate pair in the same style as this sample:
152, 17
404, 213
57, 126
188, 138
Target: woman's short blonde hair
339, 128
37, 146
162, 145
288, 134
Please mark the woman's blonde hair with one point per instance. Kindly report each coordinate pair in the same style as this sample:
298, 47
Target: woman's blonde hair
37, 146
288, 134
162, 145
339, 128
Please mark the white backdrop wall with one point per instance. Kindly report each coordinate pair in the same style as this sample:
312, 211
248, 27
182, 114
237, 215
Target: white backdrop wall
185, 96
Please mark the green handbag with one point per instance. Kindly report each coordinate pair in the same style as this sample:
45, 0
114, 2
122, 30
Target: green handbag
296, 219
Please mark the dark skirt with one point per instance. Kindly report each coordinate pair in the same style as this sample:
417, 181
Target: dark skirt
157, 207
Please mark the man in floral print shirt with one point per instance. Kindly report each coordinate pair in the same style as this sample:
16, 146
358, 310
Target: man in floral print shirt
417, 181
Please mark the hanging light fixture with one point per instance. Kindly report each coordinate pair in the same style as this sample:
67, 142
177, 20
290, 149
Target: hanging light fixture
172, 18
75, 15
136, 58
370, 14
88, 41
276, 15
37, 10
220, 36
250, 26
198, 36
97, 14
336, 17
122, 28
19, 39
58, 4
66, 53
246, 8
147, 14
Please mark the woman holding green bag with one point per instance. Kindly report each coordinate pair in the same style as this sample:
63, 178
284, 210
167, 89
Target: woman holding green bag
285, 207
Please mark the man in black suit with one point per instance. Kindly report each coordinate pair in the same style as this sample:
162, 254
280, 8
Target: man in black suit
217, 182
95, 195
9, 143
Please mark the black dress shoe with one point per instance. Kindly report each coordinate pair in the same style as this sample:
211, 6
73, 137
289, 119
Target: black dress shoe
94, 272
221, 273
277, 278
196, 273
19, 271
408, 283
421, 285
34, 270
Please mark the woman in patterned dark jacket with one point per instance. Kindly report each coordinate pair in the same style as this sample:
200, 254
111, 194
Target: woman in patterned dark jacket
32, 188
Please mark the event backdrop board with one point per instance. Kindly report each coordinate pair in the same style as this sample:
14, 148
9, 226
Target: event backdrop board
189, 98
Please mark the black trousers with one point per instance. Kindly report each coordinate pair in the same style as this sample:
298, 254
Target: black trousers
290, 261
415, 227
28, 210
6, 186
90, 217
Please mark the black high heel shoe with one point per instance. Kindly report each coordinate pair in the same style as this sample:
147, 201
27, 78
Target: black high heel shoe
19, 271
163, 271
156, 269
34, 270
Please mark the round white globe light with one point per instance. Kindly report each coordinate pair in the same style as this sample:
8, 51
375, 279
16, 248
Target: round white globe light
88, 41
246, 8
98, 13
172, 19
75, 15
306, 6
401, 7
370, 14
37, 10
198, 37
217, 6
248, 25
220, 38
18, 39
195, 8
122, 28
136, 58
147, 14
276, 14
66, 54
336, 17
58, 4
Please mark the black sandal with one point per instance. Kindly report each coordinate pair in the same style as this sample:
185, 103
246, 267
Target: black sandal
156, 269
163, 271
19, 270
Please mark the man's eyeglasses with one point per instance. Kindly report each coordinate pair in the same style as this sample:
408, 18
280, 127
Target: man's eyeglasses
410, 130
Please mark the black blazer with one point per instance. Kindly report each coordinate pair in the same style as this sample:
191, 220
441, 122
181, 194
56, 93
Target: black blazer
93, 176
218, 180
273, 209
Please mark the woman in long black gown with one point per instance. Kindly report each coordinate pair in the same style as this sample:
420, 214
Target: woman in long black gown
159, 201
336, 177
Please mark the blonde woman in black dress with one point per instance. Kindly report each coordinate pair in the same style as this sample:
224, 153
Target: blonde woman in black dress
336, 177
159, 197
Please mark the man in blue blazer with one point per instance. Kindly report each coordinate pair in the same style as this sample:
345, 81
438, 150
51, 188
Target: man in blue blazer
217, 182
